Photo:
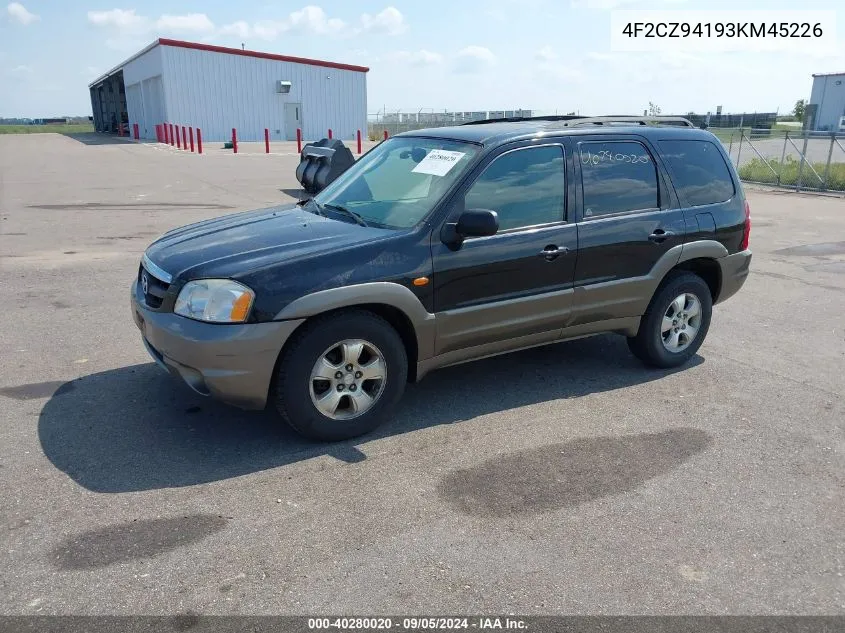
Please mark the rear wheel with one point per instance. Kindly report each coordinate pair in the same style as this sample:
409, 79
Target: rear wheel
675, 323
341, 376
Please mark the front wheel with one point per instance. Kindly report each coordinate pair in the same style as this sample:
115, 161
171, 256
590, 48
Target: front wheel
675, 323
341, 376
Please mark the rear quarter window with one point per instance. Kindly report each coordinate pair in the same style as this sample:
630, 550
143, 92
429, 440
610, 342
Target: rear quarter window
699, 172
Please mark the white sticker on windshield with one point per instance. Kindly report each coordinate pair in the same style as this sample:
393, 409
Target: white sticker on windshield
438, 162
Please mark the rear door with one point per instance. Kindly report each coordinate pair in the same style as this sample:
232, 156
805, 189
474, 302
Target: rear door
518, 282
628, 219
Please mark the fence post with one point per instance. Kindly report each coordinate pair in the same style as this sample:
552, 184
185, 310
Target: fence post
299, 140
191, 131
739, 150
184, 138
359, 142
829, 157
234, 141
801, 165
199, 141
266, 141
783, 154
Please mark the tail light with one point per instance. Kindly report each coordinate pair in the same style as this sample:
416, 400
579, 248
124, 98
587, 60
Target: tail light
746, 231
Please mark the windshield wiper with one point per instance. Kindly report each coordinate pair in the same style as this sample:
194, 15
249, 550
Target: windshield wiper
355, 216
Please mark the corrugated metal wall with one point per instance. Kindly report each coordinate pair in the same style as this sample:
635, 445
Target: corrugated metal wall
144, 95
829, 94
217, 91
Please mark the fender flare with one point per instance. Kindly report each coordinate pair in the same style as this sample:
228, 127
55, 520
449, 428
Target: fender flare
382, 292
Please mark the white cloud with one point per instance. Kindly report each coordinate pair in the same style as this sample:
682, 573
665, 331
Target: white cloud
239, 29
546, 54
474, 59
613, 4
313, 20
390, 21
117, 18
417, 58
189, 23
18, 12
22, 69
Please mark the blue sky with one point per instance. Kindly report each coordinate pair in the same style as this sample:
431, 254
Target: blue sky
498, 54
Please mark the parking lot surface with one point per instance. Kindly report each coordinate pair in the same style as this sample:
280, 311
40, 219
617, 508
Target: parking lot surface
563, 479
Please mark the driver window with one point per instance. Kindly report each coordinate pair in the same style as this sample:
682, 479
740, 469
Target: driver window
525, 187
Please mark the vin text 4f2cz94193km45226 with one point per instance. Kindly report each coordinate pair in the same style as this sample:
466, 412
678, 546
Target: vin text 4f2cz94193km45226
446, 245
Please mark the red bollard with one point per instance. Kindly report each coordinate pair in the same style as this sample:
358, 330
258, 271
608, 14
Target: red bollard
234, 141
299, 140
136, 128
172, 138
184, 138
158, 133
385, 135
199, 141
359, 141
191, 131
266, 141
178, 139
330, 132
165, 133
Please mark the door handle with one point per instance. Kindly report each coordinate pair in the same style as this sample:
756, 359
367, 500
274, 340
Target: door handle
552, 251
660, 235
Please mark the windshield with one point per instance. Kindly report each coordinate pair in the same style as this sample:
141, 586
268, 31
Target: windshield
398, 183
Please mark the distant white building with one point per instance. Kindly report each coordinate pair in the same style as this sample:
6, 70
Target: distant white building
217, 88
828, 100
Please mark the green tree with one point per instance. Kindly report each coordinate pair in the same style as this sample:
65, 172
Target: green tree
799, 109
653, 109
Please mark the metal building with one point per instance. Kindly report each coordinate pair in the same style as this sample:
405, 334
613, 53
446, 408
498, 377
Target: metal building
827, 102
217, 88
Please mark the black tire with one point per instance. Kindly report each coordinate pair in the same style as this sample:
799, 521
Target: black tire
648, 345
293, 394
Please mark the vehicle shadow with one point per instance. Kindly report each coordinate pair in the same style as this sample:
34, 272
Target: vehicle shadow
98, 138
135, 428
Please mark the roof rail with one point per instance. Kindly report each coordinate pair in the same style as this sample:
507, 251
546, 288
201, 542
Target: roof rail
674, 121
516, 119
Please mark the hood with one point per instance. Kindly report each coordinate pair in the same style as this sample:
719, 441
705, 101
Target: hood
233, 245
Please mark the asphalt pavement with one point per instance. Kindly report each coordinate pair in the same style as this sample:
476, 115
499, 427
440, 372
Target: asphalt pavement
567, 479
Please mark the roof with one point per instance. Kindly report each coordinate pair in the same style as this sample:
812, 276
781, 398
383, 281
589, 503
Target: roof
505, 132
828, 74
229, 51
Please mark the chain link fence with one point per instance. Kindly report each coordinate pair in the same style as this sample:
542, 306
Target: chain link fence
762, 153
799, 160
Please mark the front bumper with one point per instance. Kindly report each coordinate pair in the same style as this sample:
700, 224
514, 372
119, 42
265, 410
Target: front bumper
734, 270
233, 363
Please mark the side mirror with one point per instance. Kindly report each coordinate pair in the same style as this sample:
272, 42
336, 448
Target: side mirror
477, 223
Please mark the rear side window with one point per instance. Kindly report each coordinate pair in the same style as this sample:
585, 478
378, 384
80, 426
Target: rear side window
618, 177
698, 171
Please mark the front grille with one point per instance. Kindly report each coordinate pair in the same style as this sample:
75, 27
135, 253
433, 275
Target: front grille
156, 288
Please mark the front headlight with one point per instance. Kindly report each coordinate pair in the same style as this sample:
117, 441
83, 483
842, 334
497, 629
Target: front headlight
215, 300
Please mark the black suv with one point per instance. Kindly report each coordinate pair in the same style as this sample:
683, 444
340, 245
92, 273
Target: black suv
446, 245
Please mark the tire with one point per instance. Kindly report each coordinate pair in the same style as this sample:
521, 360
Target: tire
658, 347
300, 384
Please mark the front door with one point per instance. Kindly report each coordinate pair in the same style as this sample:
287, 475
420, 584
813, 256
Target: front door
293, 120
629, 218
516, 284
